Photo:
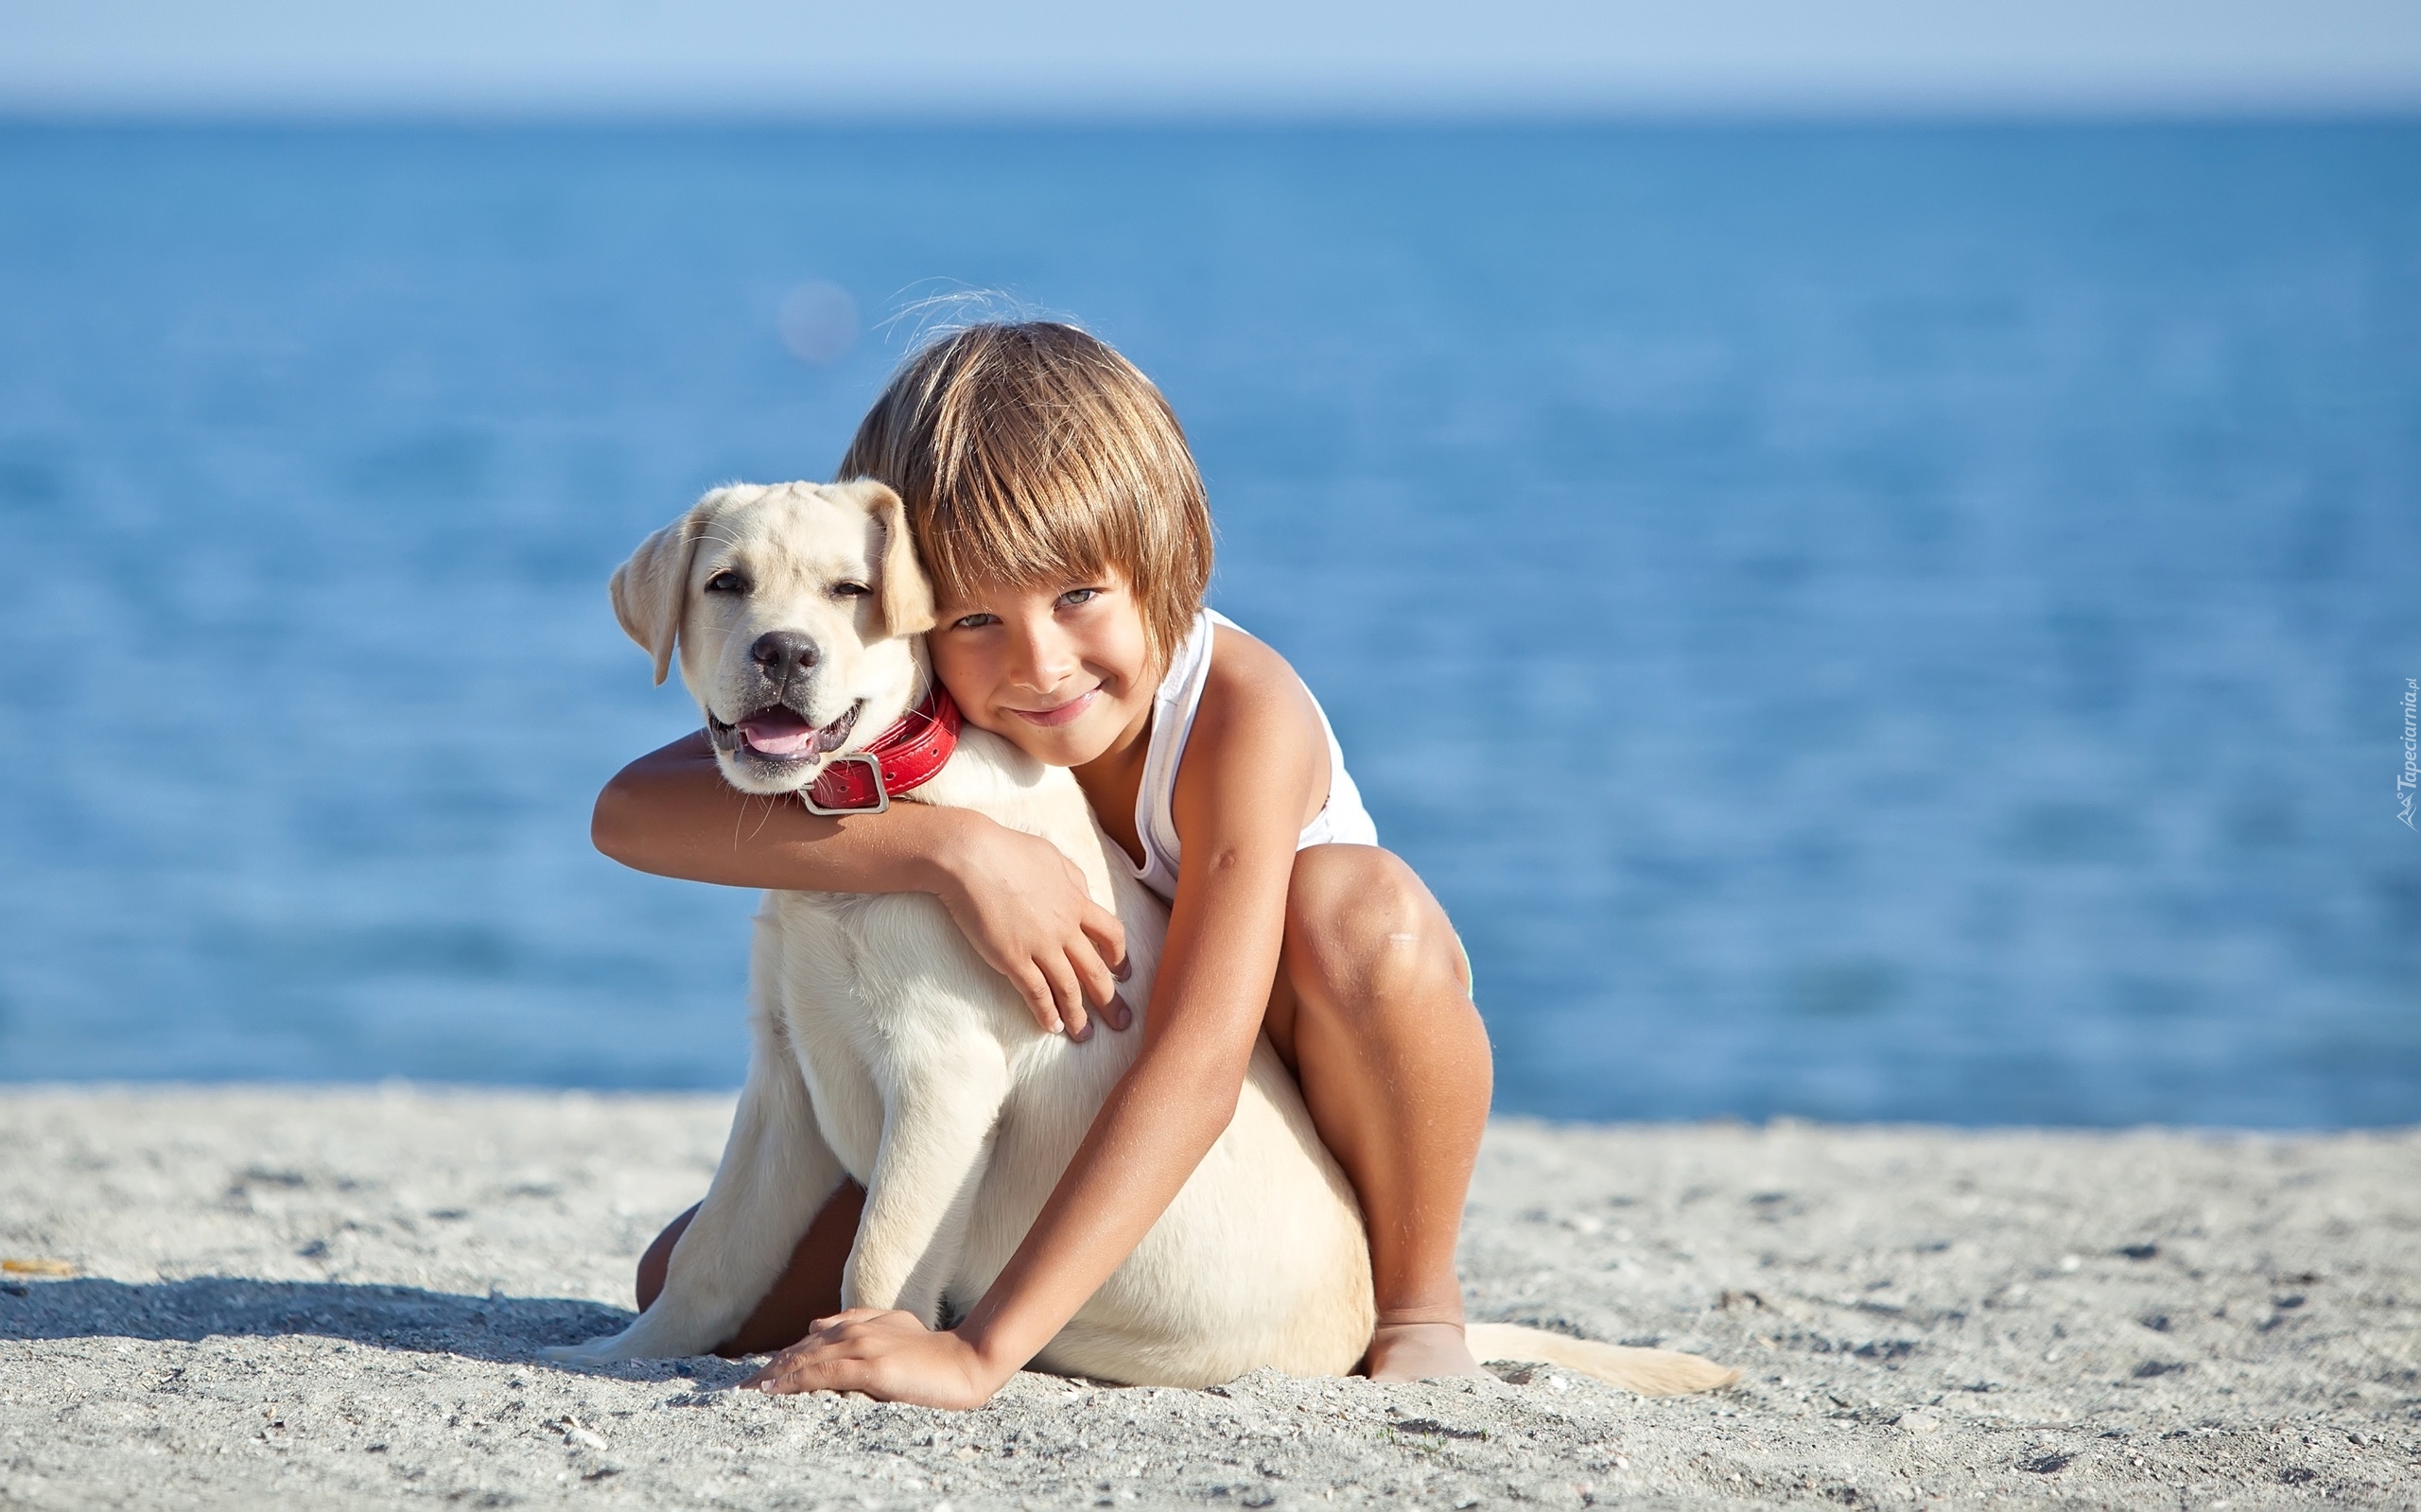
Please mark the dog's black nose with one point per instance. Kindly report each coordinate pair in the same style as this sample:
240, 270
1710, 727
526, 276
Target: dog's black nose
782, 654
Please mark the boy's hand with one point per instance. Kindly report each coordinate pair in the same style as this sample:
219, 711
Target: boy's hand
1023, 906
890, 1356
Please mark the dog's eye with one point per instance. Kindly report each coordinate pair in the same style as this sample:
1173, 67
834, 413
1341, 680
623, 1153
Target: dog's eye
850, 590
727, 581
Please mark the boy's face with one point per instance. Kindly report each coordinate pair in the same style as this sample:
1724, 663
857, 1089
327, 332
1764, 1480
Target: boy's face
1061, 671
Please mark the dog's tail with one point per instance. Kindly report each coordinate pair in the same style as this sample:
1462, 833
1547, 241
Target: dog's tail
1649, 1372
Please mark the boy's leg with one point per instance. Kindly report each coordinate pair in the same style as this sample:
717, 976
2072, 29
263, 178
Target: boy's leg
809, 1287
1372, 1011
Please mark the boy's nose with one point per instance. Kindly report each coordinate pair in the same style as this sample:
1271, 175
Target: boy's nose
1045, 663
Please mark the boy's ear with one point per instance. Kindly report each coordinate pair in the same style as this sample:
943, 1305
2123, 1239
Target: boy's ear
905, 599
651, 590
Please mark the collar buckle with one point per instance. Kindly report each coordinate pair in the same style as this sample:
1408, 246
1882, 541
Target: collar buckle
874, 770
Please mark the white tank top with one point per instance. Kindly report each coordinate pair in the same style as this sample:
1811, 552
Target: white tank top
1341, 821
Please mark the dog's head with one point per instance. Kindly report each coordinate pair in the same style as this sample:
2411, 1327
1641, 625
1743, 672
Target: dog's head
794, 610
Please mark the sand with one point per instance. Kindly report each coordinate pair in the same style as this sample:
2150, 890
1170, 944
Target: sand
332, 1299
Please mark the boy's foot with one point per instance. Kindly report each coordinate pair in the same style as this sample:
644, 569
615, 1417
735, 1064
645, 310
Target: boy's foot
1418, 1351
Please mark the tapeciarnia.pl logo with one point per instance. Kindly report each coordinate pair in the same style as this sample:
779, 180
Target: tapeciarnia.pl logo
2410, 776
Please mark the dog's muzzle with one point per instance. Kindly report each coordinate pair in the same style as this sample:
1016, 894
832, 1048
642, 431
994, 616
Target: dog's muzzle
781, 734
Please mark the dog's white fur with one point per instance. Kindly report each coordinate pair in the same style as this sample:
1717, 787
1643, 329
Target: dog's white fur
885, 1049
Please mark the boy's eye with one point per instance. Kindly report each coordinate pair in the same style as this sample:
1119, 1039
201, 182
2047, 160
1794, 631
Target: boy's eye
974, 621
850, 590
727, 581
1076, 596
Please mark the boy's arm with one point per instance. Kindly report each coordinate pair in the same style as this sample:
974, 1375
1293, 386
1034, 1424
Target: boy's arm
1251, 764
1019, 901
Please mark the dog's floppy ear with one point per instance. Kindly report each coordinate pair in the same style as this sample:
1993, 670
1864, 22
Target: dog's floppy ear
907, 599
651, 590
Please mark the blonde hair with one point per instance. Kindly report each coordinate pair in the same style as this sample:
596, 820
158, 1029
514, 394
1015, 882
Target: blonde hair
1030, 452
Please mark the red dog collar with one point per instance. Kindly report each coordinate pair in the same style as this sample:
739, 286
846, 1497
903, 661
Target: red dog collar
903, 759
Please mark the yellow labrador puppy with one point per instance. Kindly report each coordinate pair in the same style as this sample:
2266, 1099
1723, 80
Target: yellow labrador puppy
886, 1050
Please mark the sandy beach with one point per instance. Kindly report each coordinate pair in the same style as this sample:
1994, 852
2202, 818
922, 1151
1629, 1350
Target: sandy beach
332, 1299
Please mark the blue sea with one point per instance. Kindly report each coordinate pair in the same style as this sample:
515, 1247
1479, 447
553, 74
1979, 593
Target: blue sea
1901, 624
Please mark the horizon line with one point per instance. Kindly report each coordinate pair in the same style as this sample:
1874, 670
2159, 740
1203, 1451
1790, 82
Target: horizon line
2380, 110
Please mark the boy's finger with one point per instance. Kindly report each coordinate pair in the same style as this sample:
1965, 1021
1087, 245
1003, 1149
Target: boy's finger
1069, 997
1100, 987
1109, 936
1039, 1001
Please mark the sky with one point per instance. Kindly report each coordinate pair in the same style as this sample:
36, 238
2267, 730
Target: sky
894, 59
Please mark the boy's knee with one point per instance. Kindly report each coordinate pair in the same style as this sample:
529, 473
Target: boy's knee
1364, 927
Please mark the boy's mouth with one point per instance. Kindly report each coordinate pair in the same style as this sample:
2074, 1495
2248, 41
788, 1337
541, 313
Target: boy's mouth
778, 733
1065, 713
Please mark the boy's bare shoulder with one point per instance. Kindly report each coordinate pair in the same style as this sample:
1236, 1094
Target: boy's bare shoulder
1238, 655
1252, 689
1256, 740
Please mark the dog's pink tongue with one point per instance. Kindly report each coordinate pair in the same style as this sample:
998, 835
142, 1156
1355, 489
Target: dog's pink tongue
781, 733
